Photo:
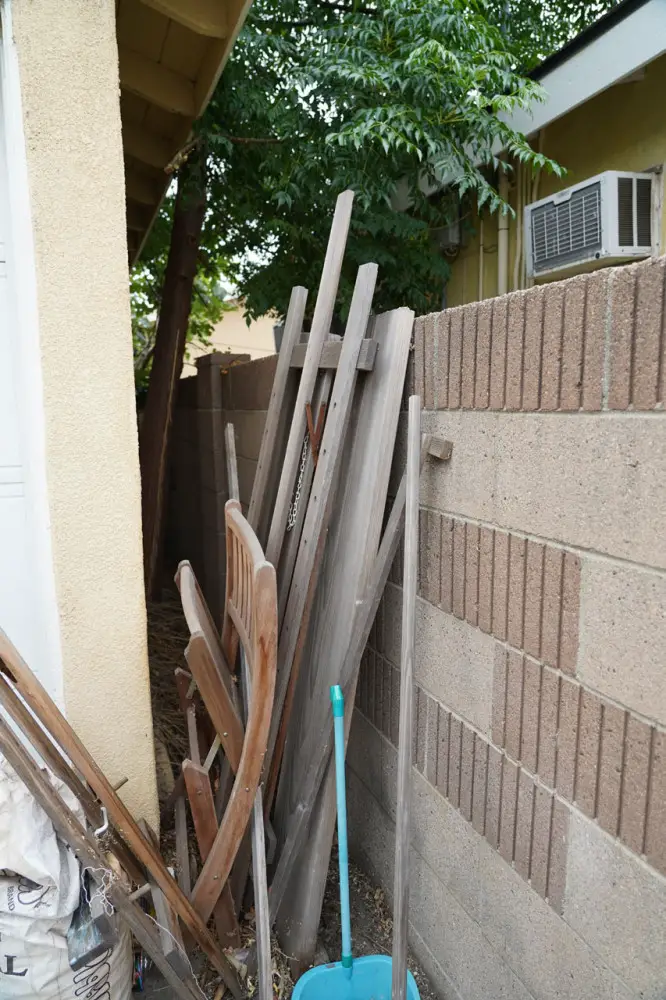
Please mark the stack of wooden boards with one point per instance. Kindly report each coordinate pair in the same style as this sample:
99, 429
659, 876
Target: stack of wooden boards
305, 574
318, 505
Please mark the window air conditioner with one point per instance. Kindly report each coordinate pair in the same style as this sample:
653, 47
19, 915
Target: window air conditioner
604, 218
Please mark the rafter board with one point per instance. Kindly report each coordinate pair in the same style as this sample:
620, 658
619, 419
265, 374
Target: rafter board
145, 146
155, 83
204, 17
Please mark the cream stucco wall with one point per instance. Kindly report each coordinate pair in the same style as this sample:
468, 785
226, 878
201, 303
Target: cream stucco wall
233, 335
70, 98
623, 128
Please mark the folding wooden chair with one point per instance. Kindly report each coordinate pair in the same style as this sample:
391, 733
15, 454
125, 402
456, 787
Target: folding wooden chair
250, 617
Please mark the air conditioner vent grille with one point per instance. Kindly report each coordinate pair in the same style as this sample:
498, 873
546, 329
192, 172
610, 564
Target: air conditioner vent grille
562, 232
625, 211
643, 212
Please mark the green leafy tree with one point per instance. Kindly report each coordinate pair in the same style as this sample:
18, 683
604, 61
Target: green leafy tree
388, 101
536, 30
404, 101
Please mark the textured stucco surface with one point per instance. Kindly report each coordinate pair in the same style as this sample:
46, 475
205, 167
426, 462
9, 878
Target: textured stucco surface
69, 86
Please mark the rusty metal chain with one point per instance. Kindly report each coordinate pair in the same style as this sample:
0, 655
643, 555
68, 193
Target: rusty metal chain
293, 507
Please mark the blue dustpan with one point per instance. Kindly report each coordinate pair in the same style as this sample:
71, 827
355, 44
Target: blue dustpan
367, 978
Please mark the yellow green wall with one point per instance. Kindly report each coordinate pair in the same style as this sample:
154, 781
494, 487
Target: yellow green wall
623, 128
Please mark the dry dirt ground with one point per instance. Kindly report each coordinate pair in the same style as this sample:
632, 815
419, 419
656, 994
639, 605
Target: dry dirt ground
372, 929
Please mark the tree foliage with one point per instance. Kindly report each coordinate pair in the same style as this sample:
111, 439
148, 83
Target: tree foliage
389, 98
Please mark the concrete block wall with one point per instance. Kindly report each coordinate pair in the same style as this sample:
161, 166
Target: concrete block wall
226, 388
539, 828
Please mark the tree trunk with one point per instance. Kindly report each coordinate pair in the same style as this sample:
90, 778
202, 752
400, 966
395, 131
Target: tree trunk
170, 340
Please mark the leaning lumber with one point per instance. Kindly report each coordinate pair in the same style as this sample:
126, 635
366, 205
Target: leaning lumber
366, 612
326, 473
277, 412
321, 323
352, 545
48, 714
403, 809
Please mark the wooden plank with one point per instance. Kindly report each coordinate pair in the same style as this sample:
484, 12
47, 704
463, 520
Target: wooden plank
171, 939
53, 758
54, 722
202, 807
404, 801
276, 409
365, 615
321, 323
353, 542
182, 847
233, 488
330, 355
209, 666
155, 83
319, 509
259, 877
285, 570
87, 850
183, 683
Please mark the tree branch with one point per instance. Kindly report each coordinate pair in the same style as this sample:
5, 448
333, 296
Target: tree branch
242, 140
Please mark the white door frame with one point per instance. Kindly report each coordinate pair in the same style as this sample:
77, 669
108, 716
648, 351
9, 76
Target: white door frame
42, 646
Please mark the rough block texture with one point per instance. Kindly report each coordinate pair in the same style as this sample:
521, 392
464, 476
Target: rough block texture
539, 825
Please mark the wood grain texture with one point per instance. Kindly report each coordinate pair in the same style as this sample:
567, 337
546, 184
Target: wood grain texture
259, 874
325, 480
330, 355
210, 667
403, 807
52, 719
285, 570
321, 323
202, 807
366, 613
276, 408
353, 542
251, 612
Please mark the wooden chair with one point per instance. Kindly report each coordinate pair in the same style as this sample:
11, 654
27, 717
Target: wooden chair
250, 618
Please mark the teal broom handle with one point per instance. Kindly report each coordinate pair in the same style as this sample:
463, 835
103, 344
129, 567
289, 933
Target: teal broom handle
338, 702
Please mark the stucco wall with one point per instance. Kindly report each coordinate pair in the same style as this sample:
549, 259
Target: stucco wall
621, 129
70, 96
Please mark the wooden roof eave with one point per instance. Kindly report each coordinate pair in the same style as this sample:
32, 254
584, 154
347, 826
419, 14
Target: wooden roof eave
171, 54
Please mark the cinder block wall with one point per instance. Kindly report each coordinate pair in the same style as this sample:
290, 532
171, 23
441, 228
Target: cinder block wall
226, 388
539, 782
